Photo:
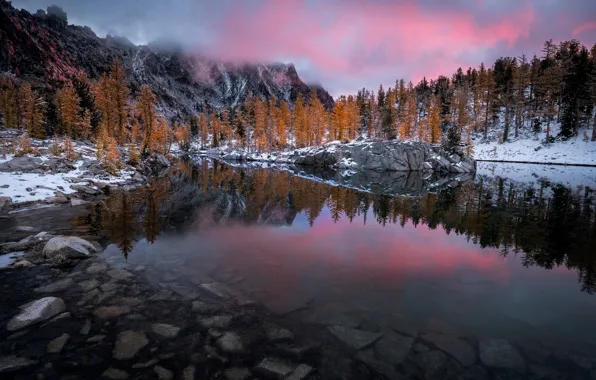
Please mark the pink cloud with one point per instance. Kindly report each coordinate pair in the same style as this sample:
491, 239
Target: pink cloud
352, 39
582, 28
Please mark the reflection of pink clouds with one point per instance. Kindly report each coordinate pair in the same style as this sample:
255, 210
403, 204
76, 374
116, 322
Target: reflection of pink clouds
353, 254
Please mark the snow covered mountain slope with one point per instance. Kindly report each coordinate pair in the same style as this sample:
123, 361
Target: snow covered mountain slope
44, 49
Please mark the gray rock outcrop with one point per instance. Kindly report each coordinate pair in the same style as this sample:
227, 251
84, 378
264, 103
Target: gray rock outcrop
384, 156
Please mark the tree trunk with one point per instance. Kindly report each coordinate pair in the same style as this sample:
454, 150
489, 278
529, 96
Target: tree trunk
548, 128
506, 129
486, 119
594, 128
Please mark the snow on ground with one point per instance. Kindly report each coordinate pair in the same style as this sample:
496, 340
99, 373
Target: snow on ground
531, 148
25, 187
571, 176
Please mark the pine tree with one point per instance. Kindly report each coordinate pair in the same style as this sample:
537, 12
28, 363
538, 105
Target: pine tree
260, 137
299, 122
69, 110
434, 121
521, 83
69, 150
119, 94
203, 129
9, 102
283, 124
146, 108
106, 105
489, 88
32, 106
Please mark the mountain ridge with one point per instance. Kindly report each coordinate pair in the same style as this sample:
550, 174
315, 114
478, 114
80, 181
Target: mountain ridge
44, 49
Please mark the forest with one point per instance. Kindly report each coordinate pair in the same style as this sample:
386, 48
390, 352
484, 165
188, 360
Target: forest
512, 96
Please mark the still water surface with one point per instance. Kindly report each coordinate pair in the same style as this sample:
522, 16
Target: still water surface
488, 258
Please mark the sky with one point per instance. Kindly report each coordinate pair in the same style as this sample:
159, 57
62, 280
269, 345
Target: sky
344, 45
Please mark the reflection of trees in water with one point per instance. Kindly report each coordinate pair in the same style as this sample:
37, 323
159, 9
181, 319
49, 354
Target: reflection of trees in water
548, 226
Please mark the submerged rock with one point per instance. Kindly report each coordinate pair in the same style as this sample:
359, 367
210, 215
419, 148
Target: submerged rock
393, 348
128, 344
356, 338
36, 311
165, 331
57, 286
230, 342
14, 363
274, 368
456, 347
55, 346
499, 353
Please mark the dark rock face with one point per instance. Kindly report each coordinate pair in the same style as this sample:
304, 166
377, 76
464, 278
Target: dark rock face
44, 48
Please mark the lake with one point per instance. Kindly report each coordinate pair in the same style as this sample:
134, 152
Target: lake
474, 258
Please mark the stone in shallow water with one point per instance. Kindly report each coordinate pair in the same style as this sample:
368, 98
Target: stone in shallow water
356, 338
111, 311
368, 357
55, 346
275, 333
237, 373
499, 353
274, 368
165, 331
36, 311
14, 363
456, 347
203, 307
188, 373
97, 268
230, 342
57, 286
393, 348
86, 327
119, 274
217, 321
128, 344
301, 372
431, 362
88, 285
163, 373
115, 374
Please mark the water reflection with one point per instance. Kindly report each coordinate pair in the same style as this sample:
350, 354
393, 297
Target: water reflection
543, 224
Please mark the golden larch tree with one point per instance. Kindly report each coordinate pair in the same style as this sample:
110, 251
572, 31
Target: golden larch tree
68, 108
119, 94
146, 108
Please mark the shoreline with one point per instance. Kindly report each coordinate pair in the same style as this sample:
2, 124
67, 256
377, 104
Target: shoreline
536, 163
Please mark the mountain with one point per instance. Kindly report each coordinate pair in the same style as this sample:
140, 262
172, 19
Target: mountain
45, 49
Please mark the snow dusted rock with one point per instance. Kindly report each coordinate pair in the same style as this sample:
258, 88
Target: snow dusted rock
382, 156
5, 205
158, 161
70, 247
36, 311
22, 164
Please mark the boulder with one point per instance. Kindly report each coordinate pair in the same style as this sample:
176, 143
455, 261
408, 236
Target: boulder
157, 162
69, 247
5, 205
36, 311
21, 164
165, 331
358, 339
